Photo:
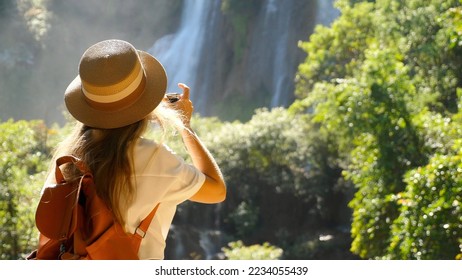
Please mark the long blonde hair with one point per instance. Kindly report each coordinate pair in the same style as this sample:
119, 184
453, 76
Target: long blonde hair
108, 153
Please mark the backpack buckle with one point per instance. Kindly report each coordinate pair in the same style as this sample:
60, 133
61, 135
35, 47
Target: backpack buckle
140, 232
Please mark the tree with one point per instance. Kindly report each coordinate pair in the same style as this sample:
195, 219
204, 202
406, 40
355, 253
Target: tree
375, 95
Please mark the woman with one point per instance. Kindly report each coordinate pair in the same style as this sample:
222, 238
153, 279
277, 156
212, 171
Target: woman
118, 92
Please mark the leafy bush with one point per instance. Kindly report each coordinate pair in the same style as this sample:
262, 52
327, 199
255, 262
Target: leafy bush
430, 221
245, 217
238, 251
279, 175
23, 161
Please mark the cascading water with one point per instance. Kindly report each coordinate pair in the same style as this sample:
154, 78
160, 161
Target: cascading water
195, 53
180, 53
274, 44
268, 53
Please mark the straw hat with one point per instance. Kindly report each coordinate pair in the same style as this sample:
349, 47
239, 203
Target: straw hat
117, 85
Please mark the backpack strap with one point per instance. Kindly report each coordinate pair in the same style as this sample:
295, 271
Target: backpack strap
68, 159
140, 231
142, 228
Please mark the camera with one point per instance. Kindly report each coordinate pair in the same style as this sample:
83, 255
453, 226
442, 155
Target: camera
173, 97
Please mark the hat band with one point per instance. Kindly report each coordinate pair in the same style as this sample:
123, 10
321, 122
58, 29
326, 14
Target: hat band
90, 92
119, 103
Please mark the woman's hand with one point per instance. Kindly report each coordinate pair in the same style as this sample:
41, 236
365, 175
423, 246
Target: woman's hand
184, 105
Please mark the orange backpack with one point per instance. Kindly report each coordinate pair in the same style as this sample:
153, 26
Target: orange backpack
75, 223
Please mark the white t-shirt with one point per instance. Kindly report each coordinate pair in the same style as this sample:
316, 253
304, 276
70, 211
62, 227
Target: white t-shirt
162, 177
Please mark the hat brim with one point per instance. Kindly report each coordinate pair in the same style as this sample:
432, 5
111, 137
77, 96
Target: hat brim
156, 86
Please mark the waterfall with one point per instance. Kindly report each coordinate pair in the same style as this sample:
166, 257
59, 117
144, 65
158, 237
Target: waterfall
274, 44
269, 51
200, 54
181, 52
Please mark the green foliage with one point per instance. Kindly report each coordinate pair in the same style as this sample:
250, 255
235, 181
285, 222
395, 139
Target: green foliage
319, 247
260, 158
428, 33
370, 112
279, 177
430, 221
387, 146
238, 251
382, 84
333, 52
276, 151
23, 160
429, 225
245, 217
